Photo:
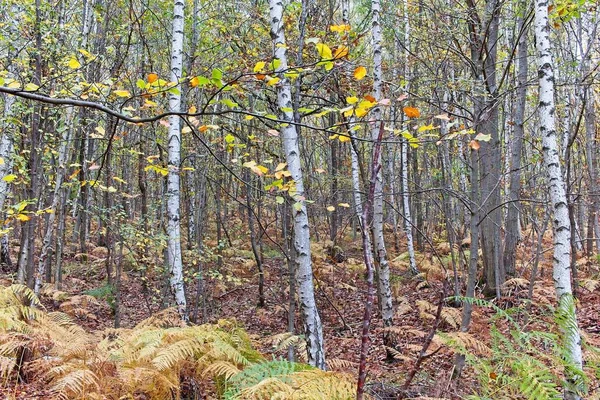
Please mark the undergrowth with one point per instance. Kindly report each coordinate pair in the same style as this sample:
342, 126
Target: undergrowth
149, 361
526, 357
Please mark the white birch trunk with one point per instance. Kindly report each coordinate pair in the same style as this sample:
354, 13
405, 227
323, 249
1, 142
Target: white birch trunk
6, 148
174, 160
354, 143
60, 174
558, 197
406, 206
385, 291
306, 296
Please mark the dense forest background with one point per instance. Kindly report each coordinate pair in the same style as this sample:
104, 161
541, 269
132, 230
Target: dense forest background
299, 199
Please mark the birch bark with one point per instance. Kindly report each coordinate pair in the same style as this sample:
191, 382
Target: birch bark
383, 273
174, 160
558, 198
312, 321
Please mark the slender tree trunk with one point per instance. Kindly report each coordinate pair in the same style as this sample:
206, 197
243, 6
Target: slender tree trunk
383, 273
174, 162
60, 173
312, 321
513, 228
473, 255
558, 198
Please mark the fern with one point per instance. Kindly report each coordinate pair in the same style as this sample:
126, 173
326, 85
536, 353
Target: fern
520, 363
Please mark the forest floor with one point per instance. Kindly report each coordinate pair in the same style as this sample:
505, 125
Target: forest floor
232, 292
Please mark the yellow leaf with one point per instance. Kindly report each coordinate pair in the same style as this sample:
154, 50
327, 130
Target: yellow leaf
122, 93
360, 73
361, 112
351, 99
340, 28
9, 178
248, 117
1, 161
259, 66
324, 51
73, 63
194, 81
31, 87
280, 166
344, 138
341, 51
330, 208
186, 129
425, 128
345, 205
273, 81
192, 110
22, 217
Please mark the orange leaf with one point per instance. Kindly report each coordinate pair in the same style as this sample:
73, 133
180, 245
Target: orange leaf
370, 98
152, 78
360, 73
340, 52
474, 144
411, 112
194, 81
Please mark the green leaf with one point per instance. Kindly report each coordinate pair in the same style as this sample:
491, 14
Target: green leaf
275, 64
141, 84
31, 87
217, 74
279, 200
230, 103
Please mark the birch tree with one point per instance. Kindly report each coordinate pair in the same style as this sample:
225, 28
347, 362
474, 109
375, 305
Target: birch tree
385, 291
312, 321
558, 198
174, 161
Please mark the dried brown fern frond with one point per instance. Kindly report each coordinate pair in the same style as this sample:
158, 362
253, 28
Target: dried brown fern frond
405, 330
463, 340
336, 364
589, 284
397, 355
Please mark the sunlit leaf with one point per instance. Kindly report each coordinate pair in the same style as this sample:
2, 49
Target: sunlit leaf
9, 178
340, 52
122, 93
73, 63
31, 87
340, 28
360, 73
483, 137
259, 66
324, 51
411, 112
